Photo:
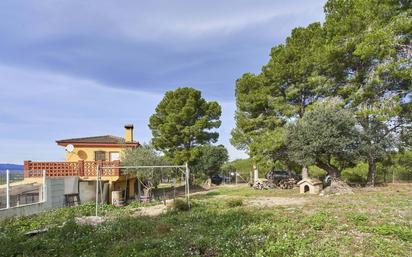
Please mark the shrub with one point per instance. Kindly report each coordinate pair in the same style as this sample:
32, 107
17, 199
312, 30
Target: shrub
200, 179
135, 204
400, 173
316, 172
357, 174
181, 205
234, 203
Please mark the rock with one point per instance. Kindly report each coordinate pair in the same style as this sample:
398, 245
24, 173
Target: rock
151, 210
337, 187
89, 220
207, 184
36, 232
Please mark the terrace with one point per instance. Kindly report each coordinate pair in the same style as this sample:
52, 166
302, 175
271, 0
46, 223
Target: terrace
83, 169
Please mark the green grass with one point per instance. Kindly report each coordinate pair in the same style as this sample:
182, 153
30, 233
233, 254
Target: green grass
234, 202
181, 205
367, 223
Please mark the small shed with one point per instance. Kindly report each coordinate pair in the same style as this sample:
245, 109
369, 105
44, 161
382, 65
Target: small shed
311, 186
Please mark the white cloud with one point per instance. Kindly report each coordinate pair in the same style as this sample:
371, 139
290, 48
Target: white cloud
62, 62
151, 20
39, 108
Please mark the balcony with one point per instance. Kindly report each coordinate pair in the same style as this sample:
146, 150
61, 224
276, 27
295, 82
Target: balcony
82, 169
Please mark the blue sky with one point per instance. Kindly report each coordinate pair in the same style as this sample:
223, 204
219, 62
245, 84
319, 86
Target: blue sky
81, 68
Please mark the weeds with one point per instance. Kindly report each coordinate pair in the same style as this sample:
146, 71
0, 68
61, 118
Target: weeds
214, 228
181, 205
358, 218
212, 193
234, 203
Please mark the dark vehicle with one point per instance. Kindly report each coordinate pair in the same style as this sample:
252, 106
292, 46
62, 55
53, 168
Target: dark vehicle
217, 179
283, 179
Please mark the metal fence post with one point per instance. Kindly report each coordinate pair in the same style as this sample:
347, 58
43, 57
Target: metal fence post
187, 174
7, 189
97, 188
44, 195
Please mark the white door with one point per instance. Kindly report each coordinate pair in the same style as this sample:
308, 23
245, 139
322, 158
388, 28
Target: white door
114, 156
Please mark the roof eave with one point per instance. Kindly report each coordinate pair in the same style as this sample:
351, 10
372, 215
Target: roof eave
130, 144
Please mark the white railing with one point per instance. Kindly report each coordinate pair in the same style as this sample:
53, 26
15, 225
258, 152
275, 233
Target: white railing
22, 191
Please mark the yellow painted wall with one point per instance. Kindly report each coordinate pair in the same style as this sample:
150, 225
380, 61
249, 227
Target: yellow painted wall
87, 153
121, 185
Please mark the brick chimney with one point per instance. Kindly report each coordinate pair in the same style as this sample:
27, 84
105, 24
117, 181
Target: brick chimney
128, 135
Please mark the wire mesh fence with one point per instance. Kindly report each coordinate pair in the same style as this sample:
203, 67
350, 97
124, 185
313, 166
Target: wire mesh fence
14, 175
17, 191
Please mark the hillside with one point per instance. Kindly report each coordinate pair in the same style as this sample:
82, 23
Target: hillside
11, 167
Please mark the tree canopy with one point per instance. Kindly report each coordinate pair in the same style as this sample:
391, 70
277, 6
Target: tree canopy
361, 54
210, 160
145, 155
375, 68
182, 122
325, 137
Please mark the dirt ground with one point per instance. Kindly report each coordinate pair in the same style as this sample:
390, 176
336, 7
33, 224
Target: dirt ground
259, 202
263, 201
154, 210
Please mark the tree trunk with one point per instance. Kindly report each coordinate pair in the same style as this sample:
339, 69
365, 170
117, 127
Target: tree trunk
371, 172
330, 169
255, 173
305, 173
334, 173
289, 169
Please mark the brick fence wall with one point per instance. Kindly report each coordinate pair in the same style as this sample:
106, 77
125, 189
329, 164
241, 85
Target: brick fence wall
64, 169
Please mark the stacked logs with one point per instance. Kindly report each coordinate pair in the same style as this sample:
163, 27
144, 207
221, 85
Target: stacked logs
288, 183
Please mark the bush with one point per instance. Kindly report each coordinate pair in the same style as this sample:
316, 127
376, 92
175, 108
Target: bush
181, 205
357, 174
316, 172
135, 204
234, 203
400, 173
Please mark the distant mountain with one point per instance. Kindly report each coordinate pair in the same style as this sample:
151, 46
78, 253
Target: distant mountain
11, 167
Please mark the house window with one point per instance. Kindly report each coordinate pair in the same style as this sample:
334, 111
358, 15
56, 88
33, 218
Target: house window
100, 156
114, 156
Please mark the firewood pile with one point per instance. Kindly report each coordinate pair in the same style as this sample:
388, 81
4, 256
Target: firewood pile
287, 183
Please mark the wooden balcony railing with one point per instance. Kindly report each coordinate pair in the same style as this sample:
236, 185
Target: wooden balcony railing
63, 169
